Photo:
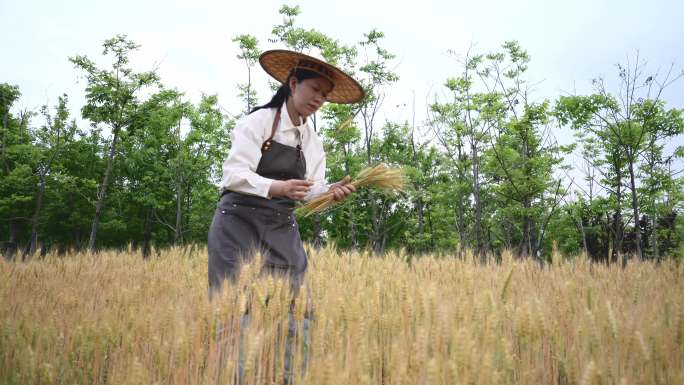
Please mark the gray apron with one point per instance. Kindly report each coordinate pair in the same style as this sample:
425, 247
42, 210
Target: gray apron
244, 224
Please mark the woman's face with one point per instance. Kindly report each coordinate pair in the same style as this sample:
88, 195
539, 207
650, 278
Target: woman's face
309, 94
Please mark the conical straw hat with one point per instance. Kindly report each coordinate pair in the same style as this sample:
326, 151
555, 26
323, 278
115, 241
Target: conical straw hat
279, 63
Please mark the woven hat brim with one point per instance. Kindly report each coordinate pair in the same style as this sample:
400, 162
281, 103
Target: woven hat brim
279, 63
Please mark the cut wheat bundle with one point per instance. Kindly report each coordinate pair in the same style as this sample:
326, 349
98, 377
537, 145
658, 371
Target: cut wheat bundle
380, 176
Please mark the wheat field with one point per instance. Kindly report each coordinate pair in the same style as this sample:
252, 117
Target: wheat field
113, 318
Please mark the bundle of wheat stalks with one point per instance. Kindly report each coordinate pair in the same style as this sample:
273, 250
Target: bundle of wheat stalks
379, 176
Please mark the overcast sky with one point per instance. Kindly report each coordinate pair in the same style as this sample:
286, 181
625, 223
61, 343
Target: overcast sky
570, 42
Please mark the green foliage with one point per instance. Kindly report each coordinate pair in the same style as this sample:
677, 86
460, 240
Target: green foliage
111, 93
623, 139
483, 172
249, 52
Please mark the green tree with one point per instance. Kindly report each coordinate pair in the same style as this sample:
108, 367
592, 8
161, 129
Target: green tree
661, 125
112, 100
630, 128
204, 148
341, 136
249, 52
463, 126
376, 76
523, 165
72, 192
151, 169
50, 140
448, 121
17, 160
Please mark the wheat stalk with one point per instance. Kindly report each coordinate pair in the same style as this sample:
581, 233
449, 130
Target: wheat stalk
379, 176
82, 318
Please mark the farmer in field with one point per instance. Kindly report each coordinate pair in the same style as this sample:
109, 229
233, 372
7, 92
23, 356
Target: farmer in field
276, 159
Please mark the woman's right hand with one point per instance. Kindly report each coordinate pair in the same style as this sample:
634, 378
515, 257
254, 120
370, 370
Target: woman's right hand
295, 189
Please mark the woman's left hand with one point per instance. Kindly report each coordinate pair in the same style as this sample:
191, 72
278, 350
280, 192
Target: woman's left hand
342, 189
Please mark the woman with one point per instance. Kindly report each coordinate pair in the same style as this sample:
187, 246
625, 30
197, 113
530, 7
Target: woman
276, 159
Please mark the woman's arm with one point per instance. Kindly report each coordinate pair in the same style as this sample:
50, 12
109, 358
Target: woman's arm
239, 168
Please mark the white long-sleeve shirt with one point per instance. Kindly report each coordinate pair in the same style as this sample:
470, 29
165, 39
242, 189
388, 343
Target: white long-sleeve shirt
239, 168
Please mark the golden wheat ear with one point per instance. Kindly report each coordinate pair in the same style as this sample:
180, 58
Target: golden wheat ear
379, 176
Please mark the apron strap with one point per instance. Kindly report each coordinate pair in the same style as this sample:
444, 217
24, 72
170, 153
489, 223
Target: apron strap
267, 144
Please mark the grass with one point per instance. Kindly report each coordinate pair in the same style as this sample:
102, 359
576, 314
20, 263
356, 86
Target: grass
113, 318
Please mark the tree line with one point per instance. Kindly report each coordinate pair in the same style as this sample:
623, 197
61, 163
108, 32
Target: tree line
485, 171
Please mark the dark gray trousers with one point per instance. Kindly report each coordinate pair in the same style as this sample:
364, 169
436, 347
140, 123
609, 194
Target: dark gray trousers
243, 225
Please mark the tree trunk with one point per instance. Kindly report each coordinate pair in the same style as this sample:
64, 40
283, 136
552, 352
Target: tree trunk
607, 254
33, 240
317, 241
352, 229
178, 234
187, 197
419, 198
525, 247
11, 245
584, 236
460, 226
375, 229
352, 224
580, 226
479, 250
460, 206
431, 229
654, 229
375, 219
147, 235
374, 237
102, 194
617, 222
617, 237
635, 209
421, 220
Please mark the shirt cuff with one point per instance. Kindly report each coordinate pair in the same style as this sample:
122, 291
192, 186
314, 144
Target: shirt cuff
262, 186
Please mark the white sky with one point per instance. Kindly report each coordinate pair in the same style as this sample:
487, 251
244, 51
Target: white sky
570, 42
